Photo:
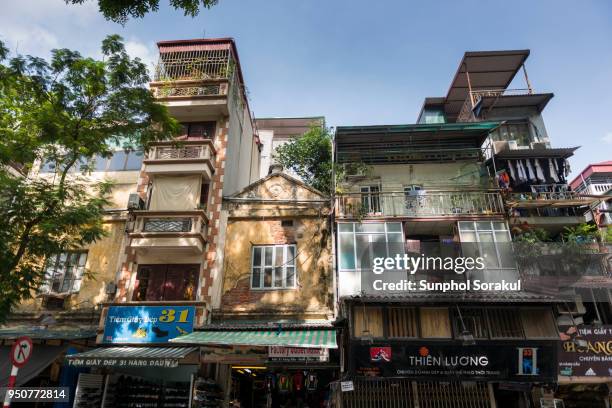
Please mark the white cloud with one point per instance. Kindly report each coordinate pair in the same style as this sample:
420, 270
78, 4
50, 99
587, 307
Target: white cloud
146, 53
607, 138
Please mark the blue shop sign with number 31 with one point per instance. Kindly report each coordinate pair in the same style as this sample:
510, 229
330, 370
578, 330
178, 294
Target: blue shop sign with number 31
147, 324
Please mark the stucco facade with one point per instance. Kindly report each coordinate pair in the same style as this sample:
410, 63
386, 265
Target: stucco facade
278, 210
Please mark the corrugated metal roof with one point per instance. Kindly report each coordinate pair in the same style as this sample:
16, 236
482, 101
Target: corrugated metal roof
13, 332
135, 352
488, 297
267, 324
288, 338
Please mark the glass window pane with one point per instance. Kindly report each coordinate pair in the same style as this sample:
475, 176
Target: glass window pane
257, 256
117, 162
347, 251
468, 236
134, 161
394, 227
256, 278
363, 251
279, 256
379, 246
278, 277
372, 227
290, 277
291, 255
345, 227
268, 256
502, 237
268, 277
483, 226
100, 163
499, 226
466, 226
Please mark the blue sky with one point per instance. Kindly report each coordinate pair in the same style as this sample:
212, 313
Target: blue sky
369, 62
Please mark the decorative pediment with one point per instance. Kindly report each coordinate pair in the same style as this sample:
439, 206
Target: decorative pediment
279, 186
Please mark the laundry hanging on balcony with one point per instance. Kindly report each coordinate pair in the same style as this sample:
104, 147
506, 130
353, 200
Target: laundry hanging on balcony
175, 193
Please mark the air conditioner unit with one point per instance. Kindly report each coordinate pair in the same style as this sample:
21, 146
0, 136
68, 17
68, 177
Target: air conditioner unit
538, 145
512, 145
135, 202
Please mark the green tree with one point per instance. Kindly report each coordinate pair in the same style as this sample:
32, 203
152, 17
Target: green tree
120, 11
64, 112
310, 157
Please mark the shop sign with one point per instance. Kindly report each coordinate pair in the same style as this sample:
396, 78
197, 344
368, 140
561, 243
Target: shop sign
280, 353
586, 351
346, 386
233, 354
124, 362
521, 361
147, 324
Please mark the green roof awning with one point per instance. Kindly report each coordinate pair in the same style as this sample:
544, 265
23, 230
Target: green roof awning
287, 338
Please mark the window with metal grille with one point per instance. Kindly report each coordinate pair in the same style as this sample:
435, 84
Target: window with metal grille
64, 272
505, 323
273, 267
472, 320
402, 322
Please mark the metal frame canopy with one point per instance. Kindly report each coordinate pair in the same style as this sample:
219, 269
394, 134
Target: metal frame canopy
482, 70
310, 338
412, 143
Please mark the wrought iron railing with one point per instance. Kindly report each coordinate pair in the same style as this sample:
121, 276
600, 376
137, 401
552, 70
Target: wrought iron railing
161, 222
194, 65
420, 203
187, 151
167, 225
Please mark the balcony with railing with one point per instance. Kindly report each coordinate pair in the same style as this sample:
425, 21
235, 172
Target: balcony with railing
196, 78
184, 157
423, 203
480, 101
168, 230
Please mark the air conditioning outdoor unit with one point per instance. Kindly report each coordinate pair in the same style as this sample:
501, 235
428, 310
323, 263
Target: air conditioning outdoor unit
135, 202
512, 145
500, 146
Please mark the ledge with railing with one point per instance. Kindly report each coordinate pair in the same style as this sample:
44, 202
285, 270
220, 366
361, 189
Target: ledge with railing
423, 203
188, 74
182, 150
169, 224
466, 114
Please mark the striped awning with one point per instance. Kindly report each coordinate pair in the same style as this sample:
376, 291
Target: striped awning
130, 356
287, 338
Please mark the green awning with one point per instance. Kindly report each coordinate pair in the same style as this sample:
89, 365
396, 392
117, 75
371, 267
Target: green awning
287, 338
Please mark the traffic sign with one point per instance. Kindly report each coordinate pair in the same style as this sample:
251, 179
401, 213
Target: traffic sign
21, 351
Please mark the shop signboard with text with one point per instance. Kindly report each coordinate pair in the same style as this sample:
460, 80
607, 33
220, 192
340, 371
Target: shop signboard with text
280, 353
147, 324
586, 351
527, 361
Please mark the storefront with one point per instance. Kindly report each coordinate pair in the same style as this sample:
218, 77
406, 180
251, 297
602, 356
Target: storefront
135, 365
271, 368
585, 366
448, 373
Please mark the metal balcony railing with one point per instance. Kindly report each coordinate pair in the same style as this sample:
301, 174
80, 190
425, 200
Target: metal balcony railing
420, 204
183, 152
152, 223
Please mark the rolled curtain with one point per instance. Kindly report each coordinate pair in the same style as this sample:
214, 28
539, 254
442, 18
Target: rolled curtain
175, 193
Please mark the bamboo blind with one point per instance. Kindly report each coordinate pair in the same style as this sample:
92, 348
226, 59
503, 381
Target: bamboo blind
403, 322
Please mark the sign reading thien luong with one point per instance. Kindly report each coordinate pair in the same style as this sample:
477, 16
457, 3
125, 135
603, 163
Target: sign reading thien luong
147, 324
520, 361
